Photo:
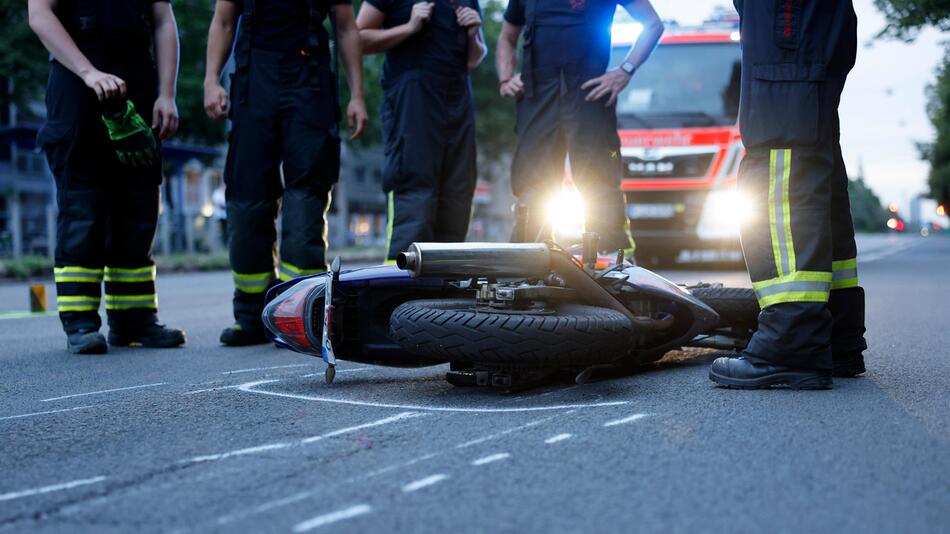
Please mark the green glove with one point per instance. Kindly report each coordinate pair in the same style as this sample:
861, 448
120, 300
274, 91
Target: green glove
132, 138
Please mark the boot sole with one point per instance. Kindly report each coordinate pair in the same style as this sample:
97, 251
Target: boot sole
807, 381
848, 370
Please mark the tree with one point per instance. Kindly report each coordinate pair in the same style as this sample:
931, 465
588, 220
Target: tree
22, 57
866, 209
905, 19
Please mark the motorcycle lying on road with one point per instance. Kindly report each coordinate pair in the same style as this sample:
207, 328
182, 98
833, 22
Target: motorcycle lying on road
504, 315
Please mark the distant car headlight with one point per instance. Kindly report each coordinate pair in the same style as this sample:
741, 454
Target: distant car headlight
566, 214
723, 213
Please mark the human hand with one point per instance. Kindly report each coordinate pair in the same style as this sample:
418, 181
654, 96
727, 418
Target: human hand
609, 84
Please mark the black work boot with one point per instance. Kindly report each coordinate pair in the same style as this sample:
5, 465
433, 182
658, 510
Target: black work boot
848, 366
152, 336
737, 371
86, 342
238, 335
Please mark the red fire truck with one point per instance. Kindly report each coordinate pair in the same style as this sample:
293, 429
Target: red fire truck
680, 140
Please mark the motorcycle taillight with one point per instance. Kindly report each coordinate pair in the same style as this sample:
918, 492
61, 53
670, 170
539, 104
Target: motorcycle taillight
288, 315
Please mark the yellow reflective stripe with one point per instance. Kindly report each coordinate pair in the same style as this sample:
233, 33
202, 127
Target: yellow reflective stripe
67, 303
253, 282
126, 302
789, 244
289, 271
845, 274
389, 262
773, 227
140, 274
390, 213
77, 274
801, 286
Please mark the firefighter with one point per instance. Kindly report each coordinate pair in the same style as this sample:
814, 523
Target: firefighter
284, 145
104, 84
567, 105
799, 246
428, 116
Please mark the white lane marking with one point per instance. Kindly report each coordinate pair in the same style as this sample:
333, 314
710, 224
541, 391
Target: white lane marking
7, 418
104, 391
49, 489
249, 388
239, 371
497, 435
557, 438
491, 458
219, 388
877, 254
297, 497
338, 371
296, 443
333, 517
625, 420
424, 483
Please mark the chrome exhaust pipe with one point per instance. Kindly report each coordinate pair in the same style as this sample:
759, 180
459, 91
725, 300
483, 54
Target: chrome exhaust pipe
466, 260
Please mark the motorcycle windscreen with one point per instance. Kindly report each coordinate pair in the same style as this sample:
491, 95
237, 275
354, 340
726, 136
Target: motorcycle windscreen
287, 317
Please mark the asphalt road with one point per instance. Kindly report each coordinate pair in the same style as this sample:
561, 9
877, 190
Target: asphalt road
212, 439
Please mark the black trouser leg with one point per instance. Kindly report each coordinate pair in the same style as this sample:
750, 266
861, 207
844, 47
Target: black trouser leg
787, 247
131, 301
311, 157
79, 262
253, 189
594, 148
537, 168
414, 151
459, 167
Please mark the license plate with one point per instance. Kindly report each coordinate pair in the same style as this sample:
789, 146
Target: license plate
651, 211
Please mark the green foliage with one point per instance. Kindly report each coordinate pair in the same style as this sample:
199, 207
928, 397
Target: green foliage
938, 154
866, 209
905, 18
194, 18
22, 57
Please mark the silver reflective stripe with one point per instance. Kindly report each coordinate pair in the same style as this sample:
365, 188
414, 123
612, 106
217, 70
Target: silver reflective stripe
780, 214
844, 274
789, 287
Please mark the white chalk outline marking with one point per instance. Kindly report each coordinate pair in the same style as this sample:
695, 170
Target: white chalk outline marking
250, 388
7, 418
333, 517
105, 391
338, 371
305, 441
239, 371
424, 482
557, 438
628, 419
491, 458
49, 489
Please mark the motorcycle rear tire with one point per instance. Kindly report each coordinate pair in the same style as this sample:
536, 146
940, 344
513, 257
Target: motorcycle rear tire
736, 306
574, 335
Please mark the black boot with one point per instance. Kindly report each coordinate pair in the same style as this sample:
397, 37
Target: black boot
152, 336
848, 366
238, 335
737, 371
86, 342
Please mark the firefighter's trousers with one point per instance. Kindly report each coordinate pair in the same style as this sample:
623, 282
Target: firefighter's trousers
107, 212
284, 155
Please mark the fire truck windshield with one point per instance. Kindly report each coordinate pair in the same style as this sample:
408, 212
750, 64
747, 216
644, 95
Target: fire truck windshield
682, 86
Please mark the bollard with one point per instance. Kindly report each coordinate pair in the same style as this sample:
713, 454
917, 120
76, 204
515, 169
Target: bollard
38, 298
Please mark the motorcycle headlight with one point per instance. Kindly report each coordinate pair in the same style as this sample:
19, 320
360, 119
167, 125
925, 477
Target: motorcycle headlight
723, 213
566, 214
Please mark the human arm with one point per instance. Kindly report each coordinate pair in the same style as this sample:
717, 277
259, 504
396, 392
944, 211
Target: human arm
509, 84
377, 39
165, 112
471, 20
351, 51
220, 40
612, 82
50, 30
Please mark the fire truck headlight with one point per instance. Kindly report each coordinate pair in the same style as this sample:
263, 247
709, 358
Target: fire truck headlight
566, 214
723, 213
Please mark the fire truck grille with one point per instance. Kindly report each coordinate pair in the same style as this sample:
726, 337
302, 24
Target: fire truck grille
687, 166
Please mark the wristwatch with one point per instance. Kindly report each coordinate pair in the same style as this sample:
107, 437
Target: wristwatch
628, 67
